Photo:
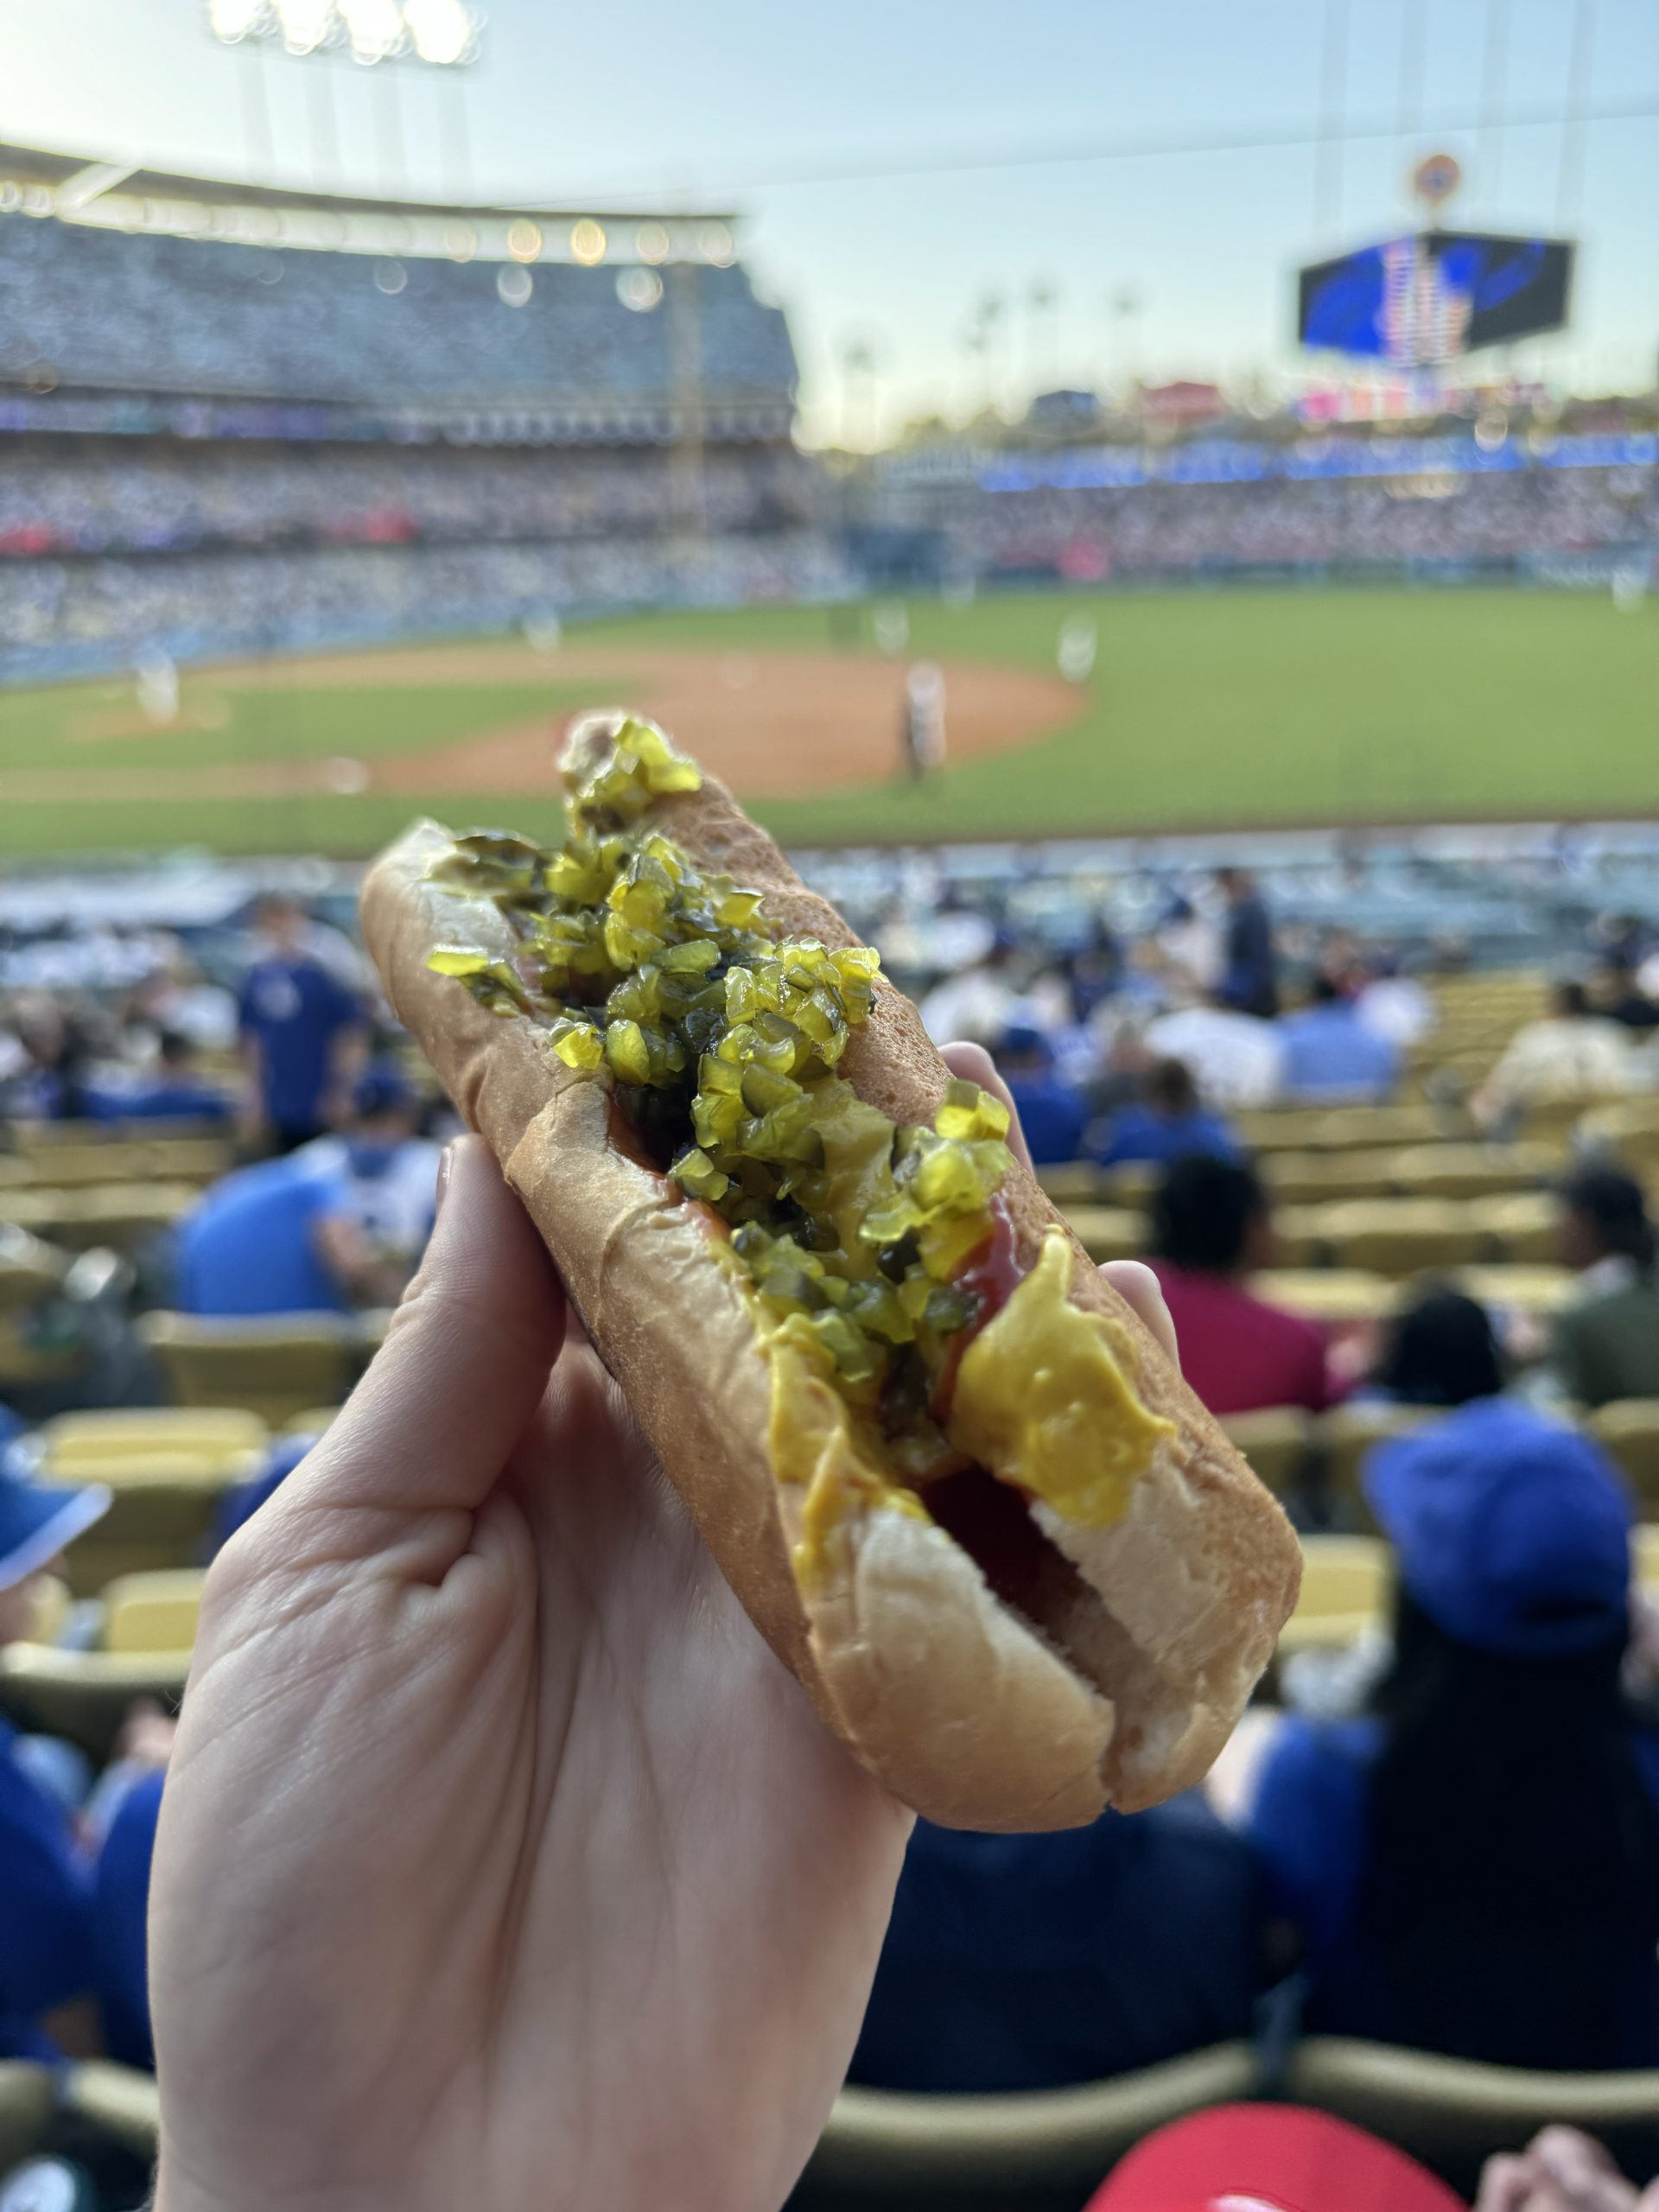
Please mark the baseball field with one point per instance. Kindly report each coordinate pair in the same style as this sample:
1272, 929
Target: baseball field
1165, 710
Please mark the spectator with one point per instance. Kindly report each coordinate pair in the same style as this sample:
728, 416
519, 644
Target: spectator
1171, 1122
1396, 1006
52, 1086
1474, 1865
301, 1028
1034, 1961
1191, 948
1573, 1052
47, 1959
176, 1091
1249, 964
1236, 1059
1332, 1053
120, 1893
1605, 1344
338, 1223
1262, 2157
1211, 1228
974, 1005
1621, 998
1441, 1352
1051, 1112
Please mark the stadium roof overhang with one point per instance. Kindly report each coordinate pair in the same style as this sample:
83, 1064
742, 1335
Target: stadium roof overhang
114, 195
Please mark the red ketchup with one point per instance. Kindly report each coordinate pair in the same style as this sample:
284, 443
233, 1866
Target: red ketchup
990, 1278
625, 1139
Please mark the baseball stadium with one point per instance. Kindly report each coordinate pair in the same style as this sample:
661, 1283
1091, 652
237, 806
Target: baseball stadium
1238, 739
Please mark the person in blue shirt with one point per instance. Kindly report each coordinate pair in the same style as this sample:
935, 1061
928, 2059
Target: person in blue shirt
300, 1026
1474, 1864
120, 1898
1035, 1962
175, 1092
48, 1955
1329, 1052
1171, 1122
1051, 1112
1249, 973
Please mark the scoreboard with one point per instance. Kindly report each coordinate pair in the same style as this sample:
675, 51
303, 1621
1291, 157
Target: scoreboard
1435, 295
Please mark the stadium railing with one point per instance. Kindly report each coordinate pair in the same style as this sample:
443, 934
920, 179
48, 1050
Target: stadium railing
1043, 2149
1453, 2113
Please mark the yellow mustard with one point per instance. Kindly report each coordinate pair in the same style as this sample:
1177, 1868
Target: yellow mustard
1042, 1397
812, 1441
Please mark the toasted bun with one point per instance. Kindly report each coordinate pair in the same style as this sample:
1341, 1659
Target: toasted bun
1143, 1643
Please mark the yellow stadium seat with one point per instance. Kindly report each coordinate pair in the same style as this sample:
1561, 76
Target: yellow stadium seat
1516, 1286
1399, 1237
122, 1214
1346, 1435
1332, 1296
153, 1612
190, 1160
1347, 1584
1471, 1171
1278, 1128
276, 1365
52, 1603
1277, 1440
312, 1421
1313, 1178
1041, 2150
1131, 1183
29, 1269
1452, 2113
29, 2104
1071, 1183
1348, 1128
222, 1435
1110, 1232
1631, 1130
1629, 1428
84, 1696
1644, 1543
119, 2102
159, 1523
1524, 1227
1299, 1240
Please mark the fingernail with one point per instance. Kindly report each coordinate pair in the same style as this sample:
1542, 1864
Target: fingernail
446, 1164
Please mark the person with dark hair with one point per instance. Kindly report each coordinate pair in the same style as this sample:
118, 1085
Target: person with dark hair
1605, 1344
1168, 1122
175, 1091
1211, 1228
302, 1032
1050, 1110
1474, 1865
1574, 1053
1622, 999
1441, 1352
1249, 971
1332, 1054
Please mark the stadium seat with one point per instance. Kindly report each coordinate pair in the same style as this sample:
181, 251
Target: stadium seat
87, 1443
153, 1612
29, 1269
313, 1421
1130, 1184
277, 1365
1452, 2113
72, 1165
164, 1521
190, 1160
1348, 1128
1629, 1428
1516, 1286
1332, 1296
1524, 1227
1071, 1183
122, 1214
119, 2102
1471, 1171
1277, 1441
1315, 1178
1399, 1237
1299, 1239
84, 1696
1043, 2149
1346, 1434
1110, 1232
1644, 1543
28, 2099
1346, 1581
1631, 1130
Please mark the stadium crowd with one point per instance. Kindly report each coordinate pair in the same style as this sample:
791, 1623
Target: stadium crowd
1280, 523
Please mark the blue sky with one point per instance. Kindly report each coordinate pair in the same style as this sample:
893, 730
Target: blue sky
641, 100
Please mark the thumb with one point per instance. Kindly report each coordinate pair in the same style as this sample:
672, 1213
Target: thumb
463, 1367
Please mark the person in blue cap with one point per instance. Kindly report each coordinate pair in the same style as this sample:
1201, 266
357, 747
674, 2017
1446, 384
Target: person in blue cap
1050, 1110
47, 1951
1474, 1864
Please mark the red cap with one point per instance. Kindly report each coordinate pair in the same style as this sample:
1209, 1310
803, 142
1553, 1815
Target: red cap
1269, 2159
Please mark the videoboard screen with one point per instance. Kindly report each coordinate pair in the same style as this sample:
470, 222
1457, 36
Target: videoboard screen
1432, 297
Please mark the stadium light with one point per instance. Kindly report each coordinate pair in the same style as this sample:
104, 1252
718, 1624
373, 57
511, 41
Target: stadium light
374, 28
443, 33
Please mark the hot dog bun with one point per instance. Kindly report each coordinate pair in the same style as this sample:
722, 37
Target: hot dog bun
1117, 1659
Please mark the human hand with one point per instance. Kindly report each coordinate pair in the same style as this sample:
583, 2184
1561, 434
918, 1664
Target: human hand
1561, 2171
501, 1863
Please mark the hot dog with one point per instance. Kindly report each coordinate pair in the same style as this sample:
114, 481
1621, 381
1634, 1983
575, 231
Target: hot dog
1018, 1568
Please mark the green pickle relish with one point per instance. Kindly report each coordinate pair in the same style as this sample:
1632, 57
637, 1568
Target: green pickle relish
722, 1040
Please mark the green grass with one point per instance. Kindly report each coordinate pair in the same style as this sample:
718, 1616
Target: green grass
1205, 709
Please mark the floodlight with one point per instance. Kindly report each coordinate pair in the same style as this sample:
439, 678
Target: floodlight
639, 289
231, 20
715, 244
524, 239
444, 31
306, 25
374, 28
586, 242
650, 243
514, 286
